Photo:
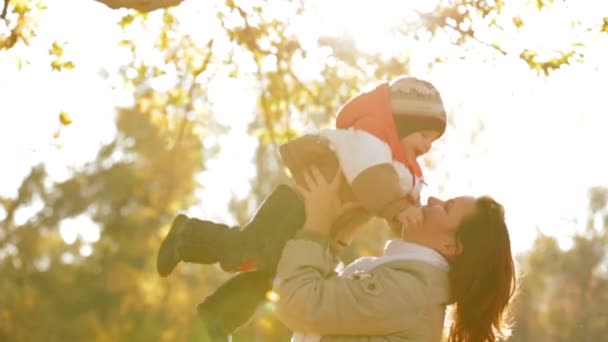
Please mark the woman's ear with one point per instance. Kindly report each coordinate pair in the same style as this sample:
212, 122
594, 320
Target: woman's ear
451, 249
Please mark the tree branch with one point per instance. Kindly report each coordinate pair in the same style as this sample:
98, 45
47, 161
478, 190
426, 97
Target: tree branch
190, 105
435, 19
469, 33
4, 9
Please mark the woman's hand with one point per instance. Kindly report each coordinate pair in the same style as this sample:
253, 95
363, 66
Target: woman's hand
321, 200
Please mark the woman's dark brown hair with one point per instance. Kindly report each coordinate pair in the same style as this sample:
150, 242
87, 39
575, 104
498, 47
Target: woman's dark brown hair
482, 277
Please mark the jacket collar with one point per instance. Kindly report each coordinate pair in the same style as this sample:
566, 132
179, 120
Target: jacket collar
402, 250
397, 250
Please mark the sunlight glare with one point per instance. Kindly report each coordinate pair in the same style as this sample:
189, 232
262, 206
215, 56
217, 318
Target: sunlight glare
27, 212
68, 258
272, 296
265, 324
80, 226
86, 250
68, 231
368, 22
502, 92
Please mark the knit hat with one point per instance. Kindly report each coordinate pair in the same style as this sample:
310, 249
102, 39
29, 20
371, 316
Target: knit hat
416, 105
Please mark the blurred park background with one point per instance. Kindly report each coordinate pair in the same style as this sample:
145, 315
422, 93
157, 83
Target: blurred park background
115, 115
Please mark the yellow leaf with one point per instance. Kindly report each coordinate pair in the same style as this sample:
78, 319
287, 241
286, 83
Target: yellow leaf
56, 49
126, 21
168, 18
56, 65
68, 65
60, 65
518, 22
159, 72
20, 6
64, 118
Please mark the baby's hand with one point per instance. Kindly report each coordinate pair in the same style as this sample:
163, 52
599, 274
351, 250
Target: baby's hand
410, 217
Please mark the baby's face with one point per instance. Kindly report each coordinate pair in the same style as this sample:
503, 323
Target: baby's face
418, 143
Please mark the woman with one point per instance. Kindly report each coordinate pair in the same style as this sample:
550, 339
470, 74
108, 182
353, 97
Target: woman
459, 254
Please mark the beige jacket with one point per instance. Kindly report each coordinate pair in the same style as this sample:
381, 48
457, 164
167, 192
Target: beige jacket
398, 298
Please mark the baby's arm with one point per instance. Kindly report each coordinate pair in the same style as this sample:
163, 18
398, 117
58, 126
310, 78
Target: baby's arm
410, 217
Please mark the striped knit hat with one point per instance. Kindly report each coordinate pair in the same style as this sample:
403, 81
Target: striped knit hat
416, 106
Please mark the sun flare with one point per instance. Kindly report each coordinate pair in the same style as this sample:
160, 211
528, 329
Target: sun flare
371, 23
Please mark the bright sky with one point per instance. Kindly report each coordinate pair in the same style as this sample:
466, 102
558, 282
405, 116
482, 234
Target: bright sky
538, 154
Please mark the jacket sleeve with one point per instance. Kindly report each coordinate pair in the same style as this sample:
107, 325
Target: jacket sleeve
313, 300
368, 166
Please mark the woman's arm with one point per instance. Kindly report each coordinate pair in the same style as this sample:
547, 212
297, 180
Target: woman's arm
313, 299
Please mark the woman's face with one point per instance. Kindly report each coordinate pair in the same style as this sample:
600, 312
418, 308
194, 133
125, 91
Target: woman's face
444, 216
439, 222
